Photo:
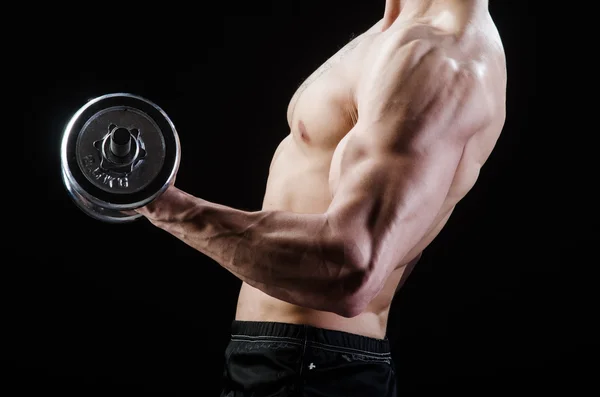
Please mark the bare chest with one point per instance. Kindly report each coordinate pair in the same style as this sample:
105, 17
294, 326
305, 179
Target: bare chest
323, 109
320, 114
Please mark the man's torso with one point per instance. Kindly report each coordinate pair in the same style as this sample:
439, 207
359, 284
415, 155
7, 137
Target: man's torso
305, 166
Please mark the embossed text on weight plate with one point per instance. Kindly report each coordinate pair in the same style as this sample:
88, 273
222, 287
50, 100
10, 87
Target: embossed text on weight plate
102, 176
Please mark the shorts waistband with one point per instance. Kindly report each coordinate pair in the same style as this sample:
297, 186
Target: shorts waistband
313, 335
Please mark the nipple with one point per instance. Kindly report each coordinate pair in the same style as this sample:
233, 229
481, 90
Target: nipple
302, 132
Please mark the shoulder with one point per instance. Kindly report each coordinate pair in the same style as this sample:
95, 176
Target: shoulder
424, 80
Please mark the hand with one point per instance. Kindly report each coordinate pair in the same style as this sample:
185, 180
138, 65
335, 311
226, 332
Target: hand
174, 205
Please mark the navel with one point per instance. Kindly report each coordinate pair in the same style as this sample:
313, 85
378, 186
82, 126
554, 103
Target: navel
302, 132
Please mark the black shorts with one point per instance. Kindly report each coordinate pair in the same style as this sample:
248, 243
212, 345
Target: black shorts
266, 359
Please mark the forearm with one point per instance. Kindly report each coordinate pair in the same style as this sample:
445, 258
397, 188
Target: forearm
298, 258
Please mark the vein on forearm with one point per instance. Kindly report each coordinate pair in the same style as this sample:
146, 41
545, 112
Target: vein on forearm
294, 257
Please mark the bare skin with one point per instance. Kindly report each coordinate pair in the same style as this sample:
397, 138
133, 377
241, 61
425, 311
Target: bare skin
385, 139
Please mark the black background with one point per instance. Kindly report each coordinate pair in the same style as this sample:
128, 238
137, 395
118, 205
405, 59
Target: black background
97, 309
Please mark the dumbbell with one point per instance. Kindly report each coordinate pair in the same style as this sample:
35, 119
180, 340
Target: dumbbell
119, 152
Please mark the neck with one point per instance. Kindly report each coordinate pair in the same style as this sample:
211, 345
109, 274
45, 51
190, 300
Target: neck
408, 9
